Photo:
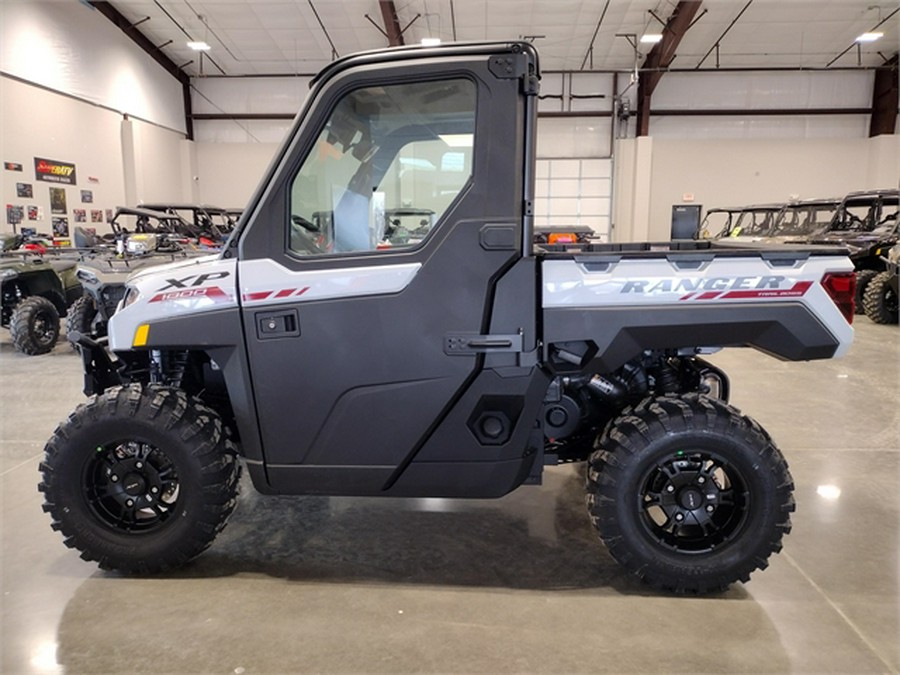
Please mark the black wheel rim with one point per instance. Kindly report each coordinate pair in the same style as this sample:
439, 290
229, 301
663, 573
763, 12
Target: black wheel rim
131, 486
43, 329
891, 302
693, 502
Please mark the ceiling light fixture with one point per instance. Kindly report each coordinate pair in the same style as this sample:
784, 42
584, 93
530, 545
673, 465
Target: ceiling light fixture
869, 37
199, 46
457, 140
830, 492
651, 38
431, 42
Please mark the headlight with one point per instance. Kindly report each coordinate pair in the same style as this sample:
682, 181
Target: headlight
131, 296
142, 243
136, 246
8, 274
86, 275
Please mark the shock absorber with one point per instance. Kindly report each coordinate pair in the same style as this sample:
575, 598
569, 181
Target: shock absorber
156, 366
176, 363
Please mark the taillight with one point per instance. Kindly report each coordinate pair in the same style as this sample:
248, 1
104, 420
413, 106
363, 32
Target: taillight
561, 238
841, 286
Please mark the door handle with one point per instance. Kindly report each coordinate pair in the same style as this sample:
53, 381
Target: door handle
490, 343
474, 343
270, 325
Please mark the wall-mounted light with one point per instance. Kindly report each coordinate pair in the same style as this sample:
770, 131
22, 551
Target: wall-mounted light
869, 37
199, 46
651, 38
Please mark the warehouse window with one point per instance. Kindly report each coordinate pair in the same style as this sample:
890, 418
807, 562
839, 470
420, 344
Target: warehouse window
384, 169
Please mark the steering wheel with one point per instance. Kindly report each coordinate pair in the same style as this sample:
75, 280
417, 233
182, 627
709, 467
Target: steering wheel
305, 237
304, 223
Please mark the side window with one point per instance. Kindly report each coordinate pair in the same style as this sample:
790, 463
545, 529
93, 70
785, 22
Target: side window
384, 169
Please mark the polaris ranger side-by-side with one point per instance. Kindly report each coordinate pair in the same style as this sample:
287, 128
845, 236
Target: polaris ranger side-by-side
335, 359
867, 224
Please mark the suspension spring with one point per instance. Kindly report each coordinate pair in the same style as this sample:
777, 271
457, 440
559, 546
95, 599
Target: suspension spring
667, 378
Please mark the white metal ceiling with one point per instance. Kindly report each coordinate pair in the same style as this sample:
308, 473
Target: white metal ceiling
301, 36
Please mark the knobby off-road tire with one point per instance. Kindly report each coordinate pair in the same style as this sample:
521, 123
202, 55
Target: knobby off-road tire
863, 278
140, 479
688, 494
34, 325
880, 301
80, 316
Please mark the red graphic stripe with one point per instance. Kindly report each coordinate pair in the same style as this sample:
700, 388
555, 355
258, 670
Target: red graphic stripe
274, 295
260, 295
709, 295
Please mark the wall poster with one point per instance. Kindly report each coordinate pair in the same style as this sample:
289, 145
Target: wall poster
80, 215
58, 200
24, 191
87, 196
60, 227
35, 212
52, 171
96, 215
14, 214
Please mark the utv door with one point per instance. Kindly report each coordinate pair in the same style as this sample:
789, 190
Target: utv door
371, 262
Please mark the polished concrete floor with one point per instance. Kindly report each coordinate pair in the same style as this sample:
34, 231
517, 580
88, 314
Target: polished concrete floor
519, 584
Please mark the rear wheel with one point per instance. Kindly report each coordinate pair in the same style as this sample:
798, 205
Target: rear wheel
140, 479
863, 278
880, 301
688, 494
34, 325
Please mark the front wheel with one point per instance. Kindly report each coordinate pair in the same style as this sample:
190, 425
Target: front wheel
140, 479
80, 317
688, 494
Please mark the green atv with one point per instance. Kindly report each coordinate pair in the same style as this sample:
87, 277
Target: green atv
35, 293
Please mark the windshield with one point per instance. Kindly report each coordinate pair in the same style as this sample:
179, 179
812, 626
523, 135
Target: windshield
867, 215
143, 223
715, 224
803, 219
752, 224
